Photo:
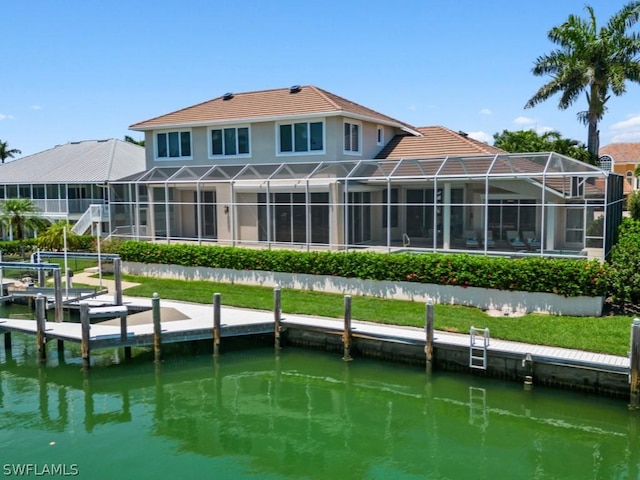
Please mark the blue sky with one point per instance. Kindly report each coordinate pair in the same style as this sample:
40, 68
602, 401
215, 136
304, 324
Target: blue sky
81, 70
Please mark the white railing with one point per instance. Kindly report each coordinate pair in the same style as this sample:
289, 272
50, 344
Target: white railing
95, 213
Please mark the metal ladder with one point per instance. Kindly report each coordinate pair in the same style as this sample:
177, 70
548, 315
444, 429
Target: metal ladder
478, 351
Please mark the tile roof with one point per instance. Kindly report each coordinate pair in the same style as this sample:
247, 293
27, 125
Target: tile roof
277, 103
435, 142
91, 161
622, 152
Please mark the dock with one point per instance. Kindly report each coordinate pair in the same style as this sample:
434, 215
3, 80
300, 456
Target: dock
185, 322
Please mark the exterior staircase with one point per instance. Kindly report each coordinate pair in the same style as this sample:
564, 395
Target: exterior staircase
95, 213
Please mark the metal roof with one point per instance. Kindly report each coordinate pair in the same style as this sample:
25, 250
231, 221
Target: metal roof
91, 161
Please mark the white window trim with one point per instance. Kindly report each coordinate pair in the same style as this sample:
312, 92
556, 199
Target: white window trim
222, 127
171, 159
351, 152
380, 130
308, 152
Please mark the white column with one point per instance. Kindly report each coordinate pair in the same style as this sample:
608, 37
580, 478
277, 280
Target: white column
550, 230
446, 217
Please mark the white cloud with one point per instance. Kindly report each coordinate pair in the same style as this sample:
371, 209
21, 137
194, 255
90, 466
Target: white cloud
412, 107
541, 130
5, 117
36, 107
481, 136
485, 111
627, 130
524, 121
626, 137
632, 123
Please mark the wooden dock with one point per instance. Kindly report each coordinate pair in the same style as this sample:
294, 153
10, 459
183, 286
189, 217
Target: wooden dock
184, 322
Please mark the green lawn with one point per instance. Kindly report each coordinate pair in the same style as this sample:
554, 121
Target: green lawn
598, 334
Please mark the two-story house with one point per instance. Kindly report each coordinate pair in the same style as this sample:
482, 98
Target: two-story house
303, 168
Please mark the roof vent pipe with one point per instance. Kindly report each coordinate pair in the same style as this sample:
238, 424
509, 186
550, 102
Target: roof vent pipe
227, 96
295, 89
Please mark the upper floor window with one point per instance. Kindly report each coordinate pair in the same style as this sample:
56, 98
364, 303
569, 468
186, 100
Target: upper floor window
173, 145
230, 141
379, 135
352, 137
301, 137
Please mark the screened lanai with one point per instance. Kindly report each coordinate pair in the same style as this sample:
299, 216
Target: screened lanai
511, 204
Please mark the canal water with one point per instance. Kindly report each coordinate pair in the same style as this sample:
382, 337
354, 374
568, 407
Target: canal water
297, 415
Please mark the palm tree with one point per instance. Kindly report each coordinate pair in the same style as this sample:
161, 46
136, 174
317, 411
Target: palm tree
598, 62
53, 237
6, 152
19, 215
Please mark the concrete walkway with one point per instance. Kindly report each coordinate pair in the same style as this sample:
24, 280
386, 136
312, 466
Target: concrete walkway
89, 277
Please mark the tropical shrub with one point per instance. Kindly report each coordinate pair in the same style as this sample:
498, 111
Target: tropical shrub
633, 205
53, 238
561, 276
625, 265
13, 247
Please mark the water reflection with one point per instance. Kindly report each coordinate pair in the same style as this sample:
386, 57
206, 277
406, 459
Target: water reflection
311, 415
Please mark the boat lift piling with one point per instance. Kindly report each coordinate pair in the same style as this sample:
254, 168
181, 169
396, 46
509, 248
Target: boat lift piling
216, 325
428, 326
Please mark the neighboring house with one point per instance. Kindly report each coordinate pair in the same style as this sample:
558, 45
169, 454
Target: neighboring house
65, 180
622, 158
303, 168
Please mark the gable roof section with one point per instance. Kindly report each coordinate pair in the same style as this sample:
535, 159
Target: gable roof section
268, 105
91, 161
622, 152
435, 142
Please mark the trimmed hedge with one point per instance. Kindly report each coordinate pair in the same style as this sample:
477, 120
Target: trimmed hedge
561, 276
86, 243
625, 265
12, 247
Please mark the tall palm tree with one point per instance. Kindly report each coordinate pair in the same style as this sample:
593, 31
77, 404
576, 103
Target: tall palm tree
596, 61
19, 215
6, 152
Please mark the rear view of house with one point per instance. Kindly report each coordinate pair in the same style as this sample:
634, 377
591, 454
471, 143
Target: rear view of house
301, 167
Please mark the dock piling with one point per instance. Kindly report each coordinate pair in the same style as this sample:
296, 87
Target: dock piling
117, 276
124, 335
635, 364
157, 330
59, 313
428, 349
7, 341
57, 283
216, 324
277, 315
85, 327
346, 336
40, 327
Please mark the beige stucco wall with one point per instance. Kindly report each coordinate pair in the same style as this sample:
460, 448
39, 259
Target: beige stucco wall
263, 144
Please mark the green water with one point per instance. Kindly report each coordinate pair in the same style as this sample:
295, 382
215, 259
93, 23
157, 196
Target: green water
303, 414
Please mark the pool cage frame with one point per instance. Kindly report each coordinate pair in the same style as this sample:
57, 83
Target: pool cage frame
474, 204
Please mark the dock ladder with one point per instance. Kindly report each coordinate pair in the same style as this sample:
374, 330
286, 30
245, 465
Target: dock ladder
478, 348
